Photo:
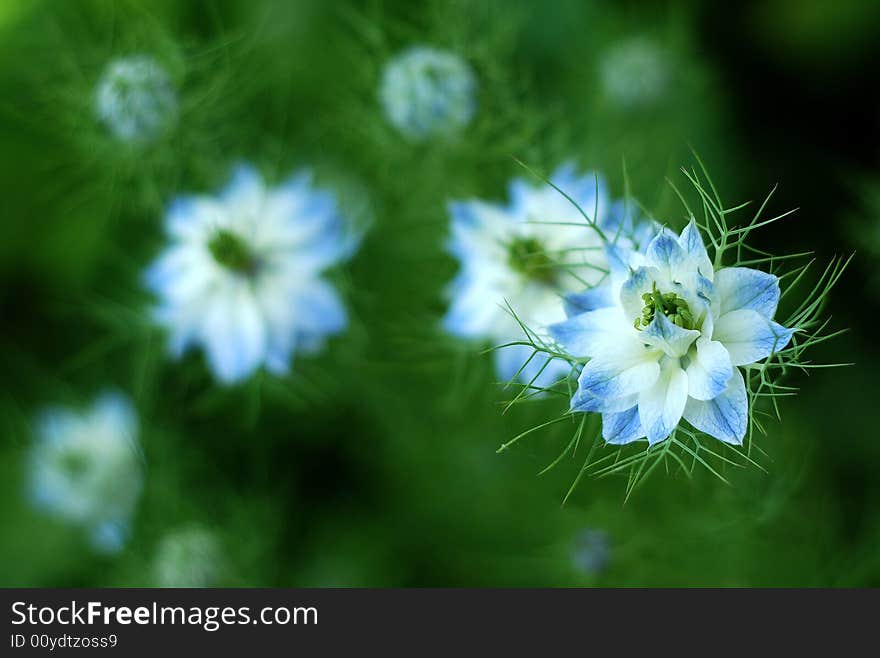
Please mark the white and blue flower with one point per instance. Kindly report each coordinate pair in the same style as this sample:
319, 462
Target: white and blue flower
136, 99
667, 340
242, 275
530, 254
427, 92
86, 468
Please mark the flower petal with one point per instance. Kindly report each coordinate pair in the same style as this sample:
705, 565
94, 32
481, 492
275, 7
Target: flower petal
749, 336
234, 335
589, 300
709, 371
622, 427
245, 189
726, 417
692, 243
587, 334
745, 288
665, 253
672, 339
639, 282
662, 404
628, 368
584, 402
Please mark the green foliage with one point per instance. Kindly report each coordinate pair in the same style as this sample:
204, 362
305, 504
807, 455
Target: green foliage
373, 463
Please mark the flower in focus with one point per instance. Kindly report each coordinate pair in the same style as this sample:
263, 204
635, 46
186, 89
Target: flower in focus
135, 98
427, 92
667, 339
635, 73
529, 254
86, 468
188, 557
242, 275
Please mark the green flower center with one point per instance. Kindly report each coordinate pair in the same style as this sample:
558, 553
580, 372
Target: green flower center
527, 256
671, 305
75, 464
232, 252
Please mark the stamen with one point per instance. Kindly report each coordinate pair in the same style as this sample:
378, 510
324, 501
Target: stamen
670, 304
527, 256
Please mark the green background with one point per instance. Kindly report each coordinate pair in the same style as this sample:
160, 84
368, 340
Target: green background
374, 463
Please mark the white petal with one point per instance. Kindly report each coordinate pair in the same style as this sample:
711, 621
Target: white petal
661, 405
626, 369
622, 427
640, 281
709, 371
588, 334
749, 336
725, 417
234, 335
745, 288
697, 257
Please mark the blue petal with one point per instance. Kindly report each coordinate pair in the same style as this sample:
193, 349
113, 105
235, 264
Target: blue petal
618, 258
639, 282
743, 287
589, 333
589, 300
246, 181
617, 375
709, 371
665, 252
622, 427
749, 336
692, 243
726, 417
662, 404
320, 310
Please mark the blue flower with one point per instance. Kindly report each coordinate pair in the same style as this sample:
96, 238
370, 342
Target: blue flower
242, 274
427, 92
135, 99
665, 339
86, 468
530, 254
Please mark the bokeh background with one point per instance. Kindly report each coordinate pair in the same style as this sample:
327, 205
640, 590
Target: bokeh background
373, 463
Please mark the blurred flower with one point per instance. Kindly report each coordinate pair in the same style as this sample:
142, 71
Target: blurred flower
188, 557
427, 92
86, 468
592, 551
135, 99
666, 339
242, 275
635, 72
529, 254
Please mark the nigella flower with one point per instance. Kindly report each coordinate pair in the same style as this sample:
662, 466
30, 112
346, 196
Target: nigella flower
135, 98
529, 254
427, 92
86, 468
242, 274
188, 557
667, 338
635, 73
